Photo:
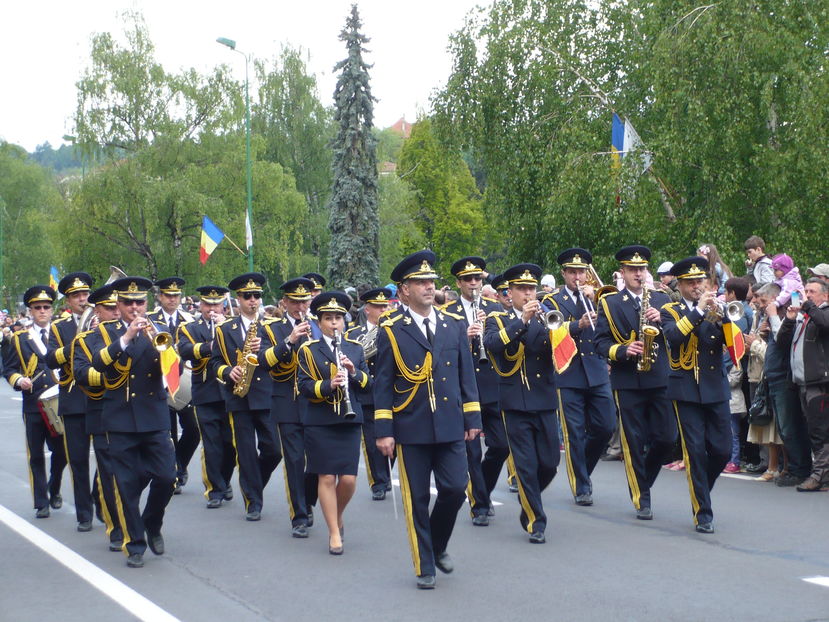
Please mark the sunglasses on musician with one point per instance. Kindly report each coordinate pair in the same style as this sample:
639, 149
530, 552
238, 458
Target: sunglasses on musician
471, 277
249, 295
131, 303
42, 308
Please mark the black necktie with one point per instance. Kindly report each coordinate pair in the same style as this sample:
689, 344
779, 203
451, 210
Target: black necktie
636, 303
172, 326
429, 336
43, 336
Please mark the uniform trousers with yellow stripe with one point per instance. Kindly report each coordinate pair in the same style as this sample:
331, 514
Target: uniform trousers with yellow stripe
254, 429
138, 458
36, 435
301, 487
429, 533
218, 454
103, 488
647, 431
377, 466
589, 418
76, 446
534, 447
705, 434
497, 448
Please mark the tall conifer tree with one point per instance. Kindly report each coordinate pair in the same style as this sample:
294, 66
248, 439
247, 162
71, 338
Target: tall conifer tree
353, 257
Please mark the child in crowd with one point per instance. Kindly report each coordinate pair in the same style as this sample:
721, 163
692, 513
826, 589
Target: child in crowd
787, 277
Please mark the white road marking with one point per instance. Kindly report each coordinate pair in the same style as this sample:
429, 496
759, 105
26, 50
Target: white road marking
123, 595
818, 580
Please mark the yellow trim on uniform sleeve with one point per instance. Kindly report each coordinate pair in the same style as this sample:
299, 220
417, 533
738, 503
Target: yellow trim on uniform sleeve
270, 357
383, 414
60, 356
503, 335
612, 353
14, 378
196, 353
685, 326
471, 407
94, 379
220, 372
318, 389
363, 379
105, 357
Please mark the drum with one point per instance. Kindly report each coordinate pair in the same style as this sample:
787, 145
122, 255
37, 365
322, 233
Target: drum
185, 391
48, 404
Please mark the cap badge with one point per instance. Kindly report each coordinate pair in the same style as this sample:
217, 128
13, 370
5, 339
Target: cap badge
470, 266
527, 275
132, 288
636, 257
251, 284
78, 283
300, 289
381, 296
425, 267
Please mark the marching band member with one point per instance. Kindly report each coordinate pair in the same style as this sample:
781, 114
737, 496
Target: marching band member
249, 410
474, 308
26, 370
698, 385
172, 316
72, 401
136, 419
376, 302
586, 410
284, 338
91, 383
646, 419
521, 354
426, 406
195, 344
332, 416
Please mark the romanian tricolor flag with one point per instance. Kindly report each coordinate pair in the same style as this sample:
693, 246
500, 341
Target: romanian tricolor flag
54, 277
211, 235
734, 342
170, 369
564, 347
617, 140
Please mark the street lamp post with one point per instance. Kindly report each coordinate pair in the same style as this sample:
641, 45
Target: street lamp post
232, 45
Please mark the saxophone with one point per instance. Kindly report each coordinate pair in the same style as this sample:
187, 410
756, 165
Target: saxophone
247, 361
647, 334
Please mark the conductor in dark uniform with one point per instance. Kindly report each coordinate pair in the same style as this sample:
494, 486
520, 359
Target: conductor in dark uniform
698, 384
250, 414
375, 304
195, 345
283, 340
170, 314
91, 383
331, 372
136, 418
587, 410
473, 308
26, 370
521, 354
72, 401
647, 424
426, 405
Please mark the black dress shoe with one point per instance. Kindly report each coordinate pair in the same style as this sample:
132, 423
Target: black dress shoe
300, 531
704, 528
84, 526
183, 478
644, 514
610, 457
378, 495
426, 582
335, 550
136, 560
116, 545
586, 499
177, 488
212, 504
310, 517
513, 487
490, 512
480, 520
42, 512
156, 543
228, 494
537, 537
56, 501
444, 563
388, 487
253, 515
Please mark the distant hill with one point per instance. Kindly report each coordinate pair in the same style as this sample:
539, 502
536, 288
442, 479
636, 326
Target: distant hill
60, 159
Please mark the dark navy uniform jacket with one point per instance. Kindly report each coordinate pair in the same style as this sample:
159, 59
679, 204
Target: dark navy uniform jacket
195, 345
229, 342
366, 398
523, 359
316, 367
420, 403
135, 399
484, 373
88, 379
694, 342
22, 358
280, 357
182, 317
588, 368
618, 327
71, 400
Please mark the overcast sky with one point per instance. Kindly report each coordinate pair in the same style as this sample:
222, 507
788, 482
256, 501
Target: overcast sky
45, 47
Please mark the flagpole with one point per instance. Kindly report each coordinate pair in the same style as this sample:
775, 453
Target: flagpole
233, 244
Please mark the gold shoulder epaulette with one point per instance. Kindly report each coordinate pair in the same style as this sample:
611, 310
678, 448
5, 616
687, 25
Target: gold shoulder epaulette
389, 321
489, 299
21, 331
452, 315
349, 339
110, 322
497, 313
226, 320
610, 293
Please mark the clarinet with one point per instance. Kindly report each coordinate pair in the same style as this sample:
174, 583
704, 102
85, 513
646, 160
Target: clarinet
478, 342
349, 412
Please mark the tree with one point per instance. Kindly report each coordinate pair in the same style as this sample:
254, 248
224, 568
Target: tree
353, 222
399, 234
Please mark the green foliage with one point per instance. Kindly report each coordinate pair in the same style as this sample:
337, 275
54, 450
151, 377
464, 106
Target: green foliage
726, 96
448, 209
389, 144
354, 220
29, 201
59, 160
399, 234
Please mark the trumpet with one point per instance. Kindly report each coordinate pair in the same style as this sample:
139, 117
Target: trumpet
734, 311
588, 305
349, 411
161, 339
552, 319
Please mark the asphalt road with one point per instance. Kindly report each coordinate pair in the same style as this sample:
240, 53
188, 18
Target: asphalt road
599, 563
